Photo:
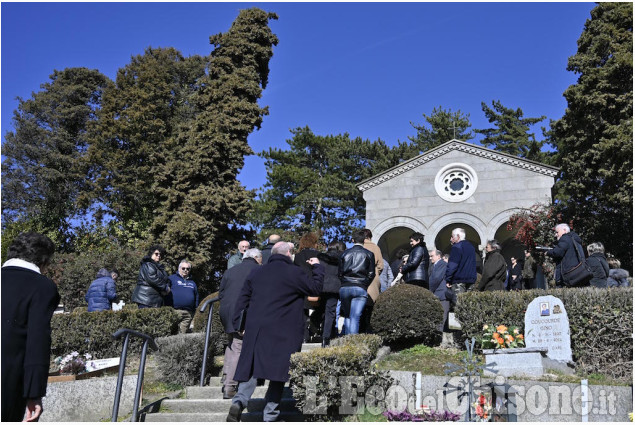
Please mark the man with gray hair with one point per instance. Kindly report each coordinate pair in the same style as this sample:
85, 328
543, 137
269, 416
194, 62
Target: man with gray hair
567, 254
461, 269
494, 270
183, 296
230, 287
271, 303
238, 256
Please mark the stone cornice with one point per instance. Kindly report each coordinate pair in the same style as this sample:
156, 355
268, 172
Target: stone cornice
457, 145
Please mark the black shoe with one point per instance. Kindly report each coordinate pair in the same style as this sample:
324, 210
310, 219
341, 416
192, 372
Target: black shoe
326, 342
235, 412
229, 392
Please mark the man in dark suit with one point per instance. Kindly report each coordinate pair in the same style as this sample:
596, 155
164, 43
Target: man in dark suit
28, 302
442, 291
273, 296
231, 286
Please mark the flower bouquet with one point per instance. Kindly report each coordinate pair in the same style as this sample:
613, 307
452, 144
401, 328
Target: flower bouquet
73, 363
502, 337
482, 408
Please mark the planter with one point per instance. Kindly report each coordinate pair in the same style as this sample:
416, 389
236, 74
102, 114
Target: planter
515, 362
57, 377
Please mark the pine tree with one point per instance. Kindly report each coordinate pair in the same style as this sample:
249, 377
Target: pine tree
204, 203
511, 134
45, 168
313, 185
445, 125
595, 136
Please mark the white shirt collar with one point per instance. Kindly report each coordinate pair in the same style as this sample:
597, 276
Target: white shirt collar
16, 262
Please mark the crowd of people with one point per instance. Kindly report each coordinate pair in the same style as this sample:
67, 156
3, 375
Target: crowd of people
272, 300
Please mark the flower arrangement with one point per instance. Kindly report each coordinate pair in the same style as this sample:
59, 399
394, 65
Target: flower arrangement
431, 416
483, 407
73, 363
502, 337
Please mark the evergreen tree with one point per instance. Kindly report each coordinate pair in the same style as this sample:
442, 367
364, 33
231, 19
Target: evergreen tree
139, 122
445, 125
595, 136
313, 185
511, 134
204, 202
44, 170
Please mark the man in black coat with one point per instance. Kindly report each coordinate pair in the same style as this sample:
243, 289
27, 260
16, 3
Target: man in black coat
566, 254
494, 270
28, 302
231, 286
266, 251
273, 296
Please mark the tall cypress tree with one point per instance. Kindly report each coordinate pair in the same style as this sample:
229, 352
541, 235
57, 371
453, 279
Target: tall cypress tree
45, 166
511, 134
202, 206
595, 135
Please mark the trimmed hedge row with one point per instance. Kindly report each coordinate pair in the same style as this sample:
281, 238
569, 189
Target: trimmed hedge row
219, 337
180, 358
92, 332
328, 368
600, 320
406, 315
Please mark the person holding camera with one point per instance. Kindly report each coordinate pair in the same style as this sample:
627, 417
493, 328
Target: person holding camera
567, 254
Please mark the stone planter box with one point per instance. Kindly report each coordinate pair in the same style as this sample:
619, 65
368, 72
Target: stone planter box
87, 400
529, 362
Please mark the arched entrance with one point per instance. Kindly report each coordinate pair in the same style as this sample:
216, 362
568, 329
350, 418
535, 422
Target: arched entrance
393, 240
442, 239
510, 247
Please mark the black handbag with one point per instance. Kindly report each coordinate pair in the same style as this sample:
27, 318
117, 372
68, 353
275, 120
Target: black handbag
579, 275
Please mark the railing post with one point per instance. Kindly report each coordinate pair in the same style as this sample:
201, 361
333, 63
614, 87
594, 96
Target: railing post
208, 331
122, 367
148, 341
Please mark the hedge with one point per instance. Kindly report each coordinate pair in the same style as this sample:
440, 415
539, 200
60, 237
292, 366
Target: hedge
406, 315
92, 332
219, 337
600, 320
180, 358
350, 356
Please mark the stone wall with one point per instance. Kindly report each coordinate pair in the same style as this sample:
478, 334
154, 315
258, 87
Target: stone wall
88, 400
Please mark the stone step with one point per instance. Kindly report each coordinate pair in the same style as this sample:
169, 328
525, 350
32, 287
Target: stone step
309, 346
217, 417
218, 406
215, 393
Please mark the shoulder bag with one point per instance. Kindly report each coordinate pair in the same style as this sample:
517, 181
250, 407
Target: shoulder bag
579, 275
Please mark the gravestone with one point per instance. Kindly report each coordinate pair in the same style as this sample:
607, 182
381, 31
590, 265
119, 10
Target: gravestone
547, 325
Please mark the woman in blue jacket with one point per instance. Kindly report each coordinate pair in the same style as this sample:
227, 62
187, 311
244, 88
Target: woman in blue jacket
101, 292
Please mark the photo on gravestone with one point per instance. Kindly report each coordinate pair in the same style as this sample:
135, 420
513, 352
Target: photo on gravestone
547, 326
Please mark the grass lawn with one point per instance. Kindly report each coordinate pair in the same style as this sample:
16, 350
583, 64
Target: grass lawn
427, 360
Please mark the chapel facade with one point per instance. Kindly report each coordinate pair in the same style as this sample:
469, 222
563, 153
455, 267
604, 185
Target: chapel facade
457, 184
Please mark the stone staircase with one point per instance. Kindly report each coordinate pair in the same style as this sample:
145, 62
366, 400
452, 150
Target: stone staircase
206, 404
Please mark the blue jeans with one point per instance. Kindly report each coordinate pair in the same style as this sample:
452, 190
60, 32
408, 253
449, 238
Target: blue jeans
353, 301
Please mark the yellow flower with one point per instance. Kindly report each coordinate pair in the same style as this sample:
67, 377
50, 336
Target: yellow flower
501, 328
516, 331
485, 327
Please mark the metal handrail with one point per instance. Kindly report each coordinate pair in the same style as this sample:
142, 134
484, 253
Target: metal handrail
148, 341
208, 331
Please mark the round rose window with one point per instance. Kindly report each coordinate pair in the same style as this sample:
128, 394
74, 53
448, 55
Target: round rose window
456, 182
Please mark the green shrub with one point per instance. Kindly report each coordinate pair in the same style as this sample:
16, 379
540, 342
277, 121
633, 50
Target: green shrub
219, 337
600, 320
73, 273
180, 359
92, 332
406, 315
350, 356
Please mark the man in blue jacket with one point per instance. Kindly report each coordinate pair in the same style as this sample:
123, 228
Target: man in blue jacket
101, 292
461, 269
184, 295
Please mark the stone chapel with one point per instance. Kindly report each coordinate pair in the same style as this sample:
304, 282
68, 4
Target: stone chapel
457, 184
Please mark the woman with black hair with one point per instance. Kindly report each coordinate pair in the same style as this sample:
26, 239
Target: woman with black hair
28, 302
415, 271
153, 282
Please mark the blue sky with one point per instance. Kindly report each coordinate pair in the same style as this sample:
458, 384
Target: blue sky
367, 69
